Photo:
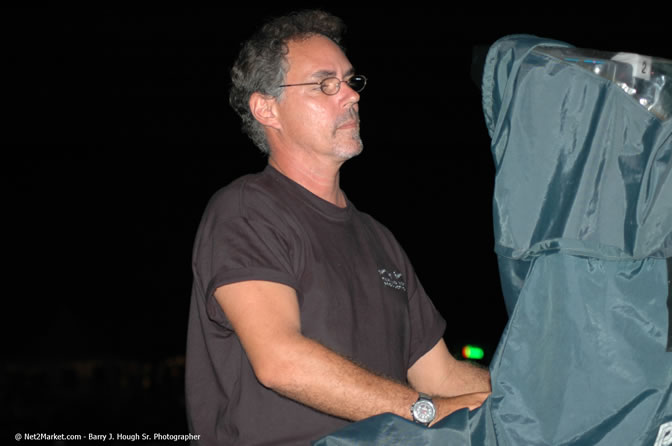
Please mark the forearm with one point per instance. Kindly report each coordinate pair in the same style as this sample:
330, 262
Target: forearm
312, 374
326, 381
465, 377
439, 373
265, 316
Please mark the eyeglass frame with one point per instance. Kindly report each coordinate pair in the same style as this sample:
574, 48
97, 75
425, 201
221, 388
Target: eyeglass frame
322, 85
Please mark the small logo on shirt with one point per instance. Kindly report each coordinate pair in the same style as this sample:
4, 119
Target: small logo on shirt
392, 279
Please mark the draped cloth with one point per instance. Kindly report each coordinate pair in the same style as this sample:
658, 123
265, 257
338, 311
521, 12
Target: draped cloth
583, 235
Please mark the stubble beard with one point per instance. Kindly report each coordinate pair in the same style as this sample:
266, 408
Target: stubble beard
353, 144
350, 150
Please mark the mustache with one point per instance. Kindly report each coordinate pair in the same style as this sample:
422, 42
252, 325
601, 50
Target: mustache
352, 115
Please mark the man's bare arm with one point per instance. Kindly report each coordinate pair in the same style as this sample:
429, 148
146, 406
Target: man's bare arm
439, 373
265, 316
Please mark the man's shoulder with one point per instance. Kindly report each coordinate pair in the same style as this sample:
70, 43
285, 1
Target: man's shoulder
257, 196
247, 190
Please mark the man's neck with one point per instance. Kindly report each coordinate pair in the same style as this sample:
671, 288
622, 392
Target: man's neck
320, 179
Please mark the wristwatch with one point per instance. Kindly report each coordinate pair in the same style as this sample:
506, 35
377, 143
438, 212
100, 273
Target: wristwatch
423, 410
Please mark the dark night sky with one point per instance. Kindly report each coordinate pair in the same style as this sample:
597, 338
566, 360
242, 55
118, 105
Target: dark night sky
117, 130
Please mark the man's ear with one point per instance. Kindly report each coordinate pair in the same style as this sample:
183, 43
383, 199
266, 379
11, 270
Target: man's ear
263, 108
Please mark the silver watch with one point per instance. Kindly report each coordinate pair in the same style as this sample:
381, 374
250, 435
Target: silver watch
423, 410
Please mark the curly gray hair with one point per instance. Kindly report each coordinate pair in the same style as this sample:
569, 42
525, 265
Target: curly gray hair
261, 65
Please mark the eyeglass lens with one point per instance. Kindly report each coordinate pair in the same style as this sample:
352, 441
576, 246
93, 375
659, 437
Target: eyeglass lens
332, 85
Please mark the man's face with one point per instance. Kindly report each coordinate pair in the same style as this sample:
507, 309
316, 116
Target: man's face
311, 121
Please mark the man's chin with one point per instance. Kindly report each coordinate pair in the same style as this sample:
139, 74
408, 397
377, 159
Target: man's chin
350, 151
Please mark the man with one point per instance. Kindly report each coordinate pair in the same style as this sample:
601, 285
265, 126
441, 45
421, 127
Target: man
305, 312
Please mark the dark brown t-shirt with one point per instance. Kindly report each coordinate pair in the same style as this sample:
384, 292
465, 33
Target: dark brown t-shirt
358, 295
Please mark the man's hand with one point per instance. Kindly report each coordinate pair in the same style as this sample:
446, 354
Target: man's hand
446, 406
454, 384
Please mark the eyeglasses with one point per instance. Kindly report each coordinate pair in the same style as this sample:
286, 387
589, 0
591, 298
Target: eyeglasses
331, 85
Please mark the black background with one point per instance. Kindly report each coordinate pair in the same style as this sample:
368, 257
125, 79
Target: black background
117, 130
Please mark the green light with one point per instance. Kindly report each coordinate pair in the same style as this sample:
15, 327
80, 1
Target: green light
472, 352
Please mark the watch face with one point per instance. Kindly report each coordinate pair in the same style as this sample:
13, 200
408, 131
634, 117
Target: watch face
423, 411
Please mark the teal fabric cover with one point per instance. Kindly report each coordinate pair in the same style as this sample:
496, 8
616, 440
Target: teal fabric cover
583, 233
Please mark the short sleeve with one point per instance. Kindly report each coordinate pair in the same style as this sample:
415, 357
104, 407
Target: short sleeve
427, 324
238, 249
